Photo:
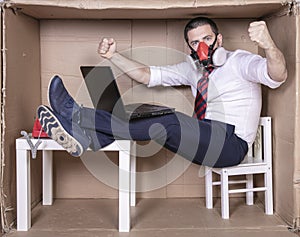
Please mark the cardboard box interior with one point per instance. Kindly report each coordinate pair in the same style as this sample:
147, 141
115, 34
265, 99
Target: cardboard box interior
44, 38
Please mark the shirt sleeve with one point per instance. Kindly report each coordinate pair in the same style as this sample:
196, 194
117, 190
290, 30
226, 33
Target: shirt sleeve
172, 75
254, 68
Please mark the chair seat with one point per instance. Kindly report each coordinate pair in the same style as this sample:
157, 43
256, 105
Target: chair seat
247, 166
250, 160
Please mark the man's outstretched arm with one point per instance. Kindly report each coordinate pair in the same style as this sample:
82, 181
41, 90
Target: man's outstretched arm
137, 71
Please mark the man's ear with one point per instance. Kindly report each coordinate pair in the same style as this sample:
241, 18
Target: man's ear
220, 39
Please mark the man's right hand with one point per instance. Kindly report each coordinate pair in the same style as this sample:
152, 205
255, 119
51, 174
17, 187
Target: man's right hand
107, 47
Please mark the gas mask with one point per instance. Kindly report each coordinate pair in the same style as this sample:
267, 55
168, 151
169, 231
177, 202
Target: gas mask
207, 57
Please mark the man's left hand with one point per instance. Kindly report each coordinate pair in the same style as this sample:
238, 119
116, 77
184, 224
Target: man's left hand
259, 33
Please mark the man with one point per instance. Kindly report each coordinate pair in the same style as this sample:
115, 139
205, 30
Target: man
227, 100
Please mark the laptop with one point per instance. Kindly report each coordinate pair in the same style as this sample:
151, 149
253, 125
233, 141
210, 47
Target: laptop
105, 95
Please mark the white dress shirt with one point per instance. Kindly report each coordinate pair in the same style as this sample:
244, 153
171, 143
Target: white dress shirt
234, 90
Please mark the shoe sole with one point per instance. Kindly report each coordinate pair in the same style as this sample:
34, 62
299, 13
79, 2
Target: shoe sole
56, 131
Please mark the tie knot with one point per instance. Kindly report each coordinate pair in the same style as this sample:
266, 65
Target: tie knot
207, 71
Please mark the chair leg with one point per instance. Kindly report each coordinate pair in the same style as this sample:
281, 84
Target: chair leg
269, 192
208, 188
224, 194
249, 195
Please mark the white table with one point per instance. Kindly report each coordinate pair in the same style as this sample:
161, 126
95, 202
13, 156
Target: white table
127, 180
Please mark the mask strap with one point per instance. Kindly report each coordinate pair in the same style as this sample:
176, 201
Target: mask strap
193, 54
211, 47
210, 52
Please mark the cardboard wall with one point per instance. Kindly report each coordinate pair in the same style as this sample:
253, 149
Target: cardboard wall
281, 105
21, 96
67, 44
37, 48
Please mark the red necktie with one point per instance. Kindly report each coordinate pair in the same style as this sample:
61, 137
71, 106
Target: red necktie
201, 96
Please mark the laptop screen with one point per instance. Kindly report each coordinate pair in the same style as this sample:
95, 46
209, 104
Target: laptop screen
103, 89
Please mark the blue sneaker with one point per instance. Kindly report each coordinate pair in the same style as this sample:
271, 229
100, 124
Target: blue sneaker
60, 100
69, 135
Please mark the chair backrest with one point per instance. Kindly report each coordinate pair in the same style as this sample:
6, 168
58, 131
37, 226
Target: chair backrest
261, 150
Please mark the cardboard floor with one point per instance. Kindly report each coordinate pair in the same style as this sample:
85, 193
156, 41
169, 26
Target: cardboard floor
152, 217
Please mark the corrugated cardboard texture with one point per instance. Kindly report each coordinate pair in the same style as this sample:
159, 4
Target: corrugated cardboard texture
22, 96
65, 45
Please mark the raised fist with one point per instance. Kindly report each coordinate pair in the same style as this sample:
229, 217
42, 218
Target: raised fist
107, 47
259, 33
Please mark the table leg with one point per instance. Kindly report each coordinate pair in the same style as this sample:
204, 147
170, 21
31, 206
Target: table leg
23, 190
133, 175
47, 177
124, 191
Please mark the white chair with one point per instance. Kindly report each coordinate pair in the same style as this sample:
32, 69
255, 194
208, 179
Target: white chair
258, 161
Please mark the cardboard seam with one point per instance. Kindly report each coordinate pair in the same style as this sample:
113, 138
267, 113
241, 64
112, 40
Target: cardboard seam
296, 225
293, 7
4, 222
106, 5
288, 9
1, 129
296, 175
